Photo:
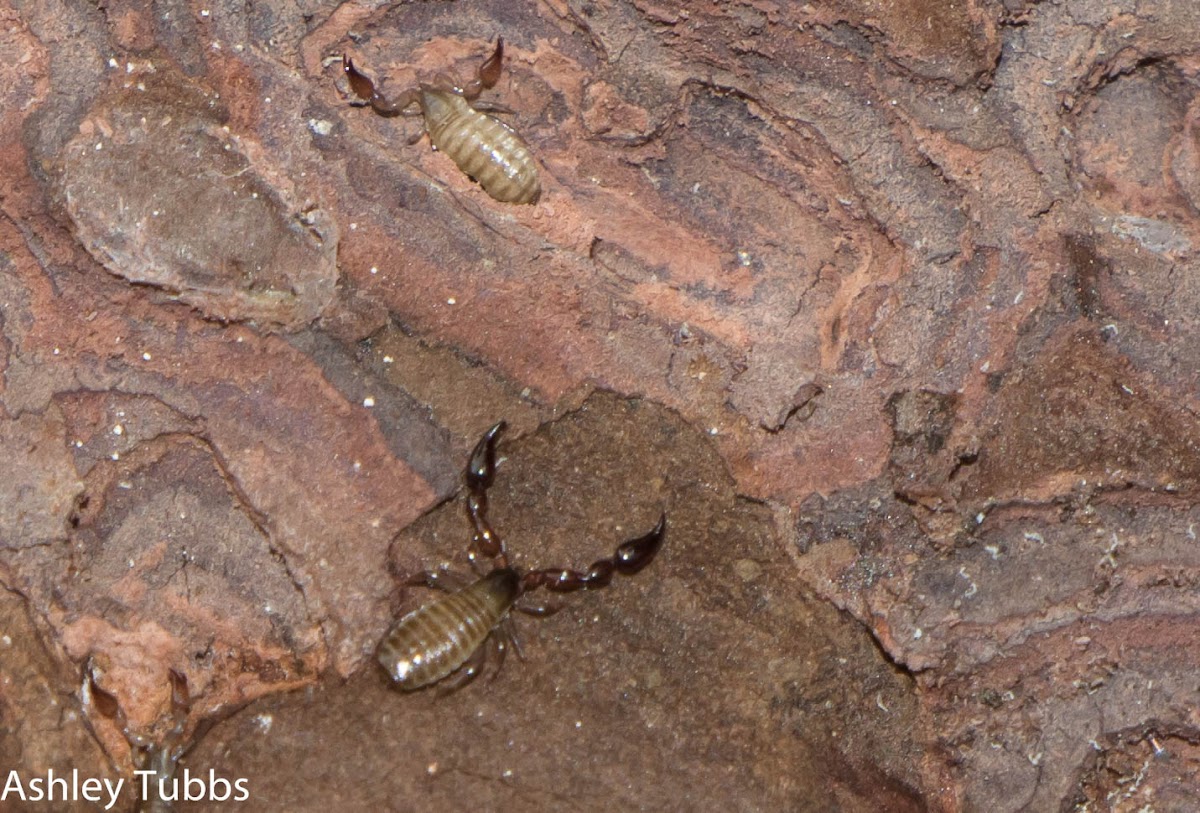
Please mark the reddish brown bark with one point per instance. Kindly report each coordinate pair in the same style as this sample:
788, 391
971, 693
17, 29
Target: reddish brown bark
889, 305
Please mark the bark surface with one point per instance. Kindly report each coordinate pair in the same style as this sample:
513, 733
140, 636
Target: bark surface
891, 306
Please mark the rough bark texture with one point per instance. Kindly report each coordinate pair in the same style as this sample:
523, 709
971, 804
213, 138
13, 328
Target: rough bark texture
891, 306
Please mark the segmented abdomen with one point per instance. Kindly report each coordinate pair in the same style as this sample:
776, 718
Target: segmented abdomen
432, 641
489, 151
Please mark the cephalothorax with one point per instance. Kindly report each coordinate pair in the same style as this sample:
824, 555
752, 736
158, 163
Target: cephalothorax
452, 635
483, 147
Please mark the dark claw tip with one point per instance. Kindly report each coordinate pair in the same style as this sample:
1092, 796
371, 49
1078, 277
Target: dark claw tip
363, 87
637, 553
482, 465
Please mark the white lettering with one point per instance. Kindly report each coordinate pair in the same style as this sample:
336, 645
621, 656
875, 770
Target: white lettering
114, 791
52, 788
195, 788
162, 789
13, 785
145, 776
188, 779
215, 782
51, 782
